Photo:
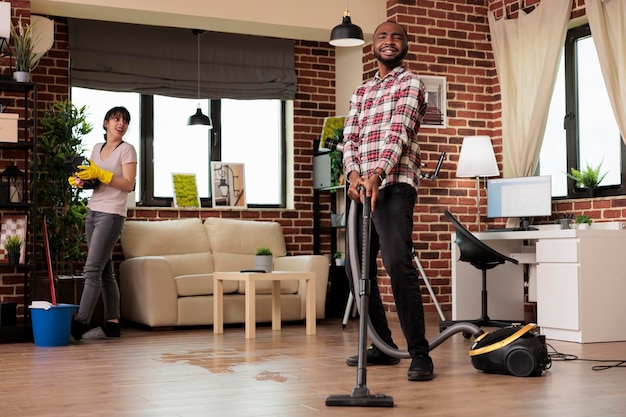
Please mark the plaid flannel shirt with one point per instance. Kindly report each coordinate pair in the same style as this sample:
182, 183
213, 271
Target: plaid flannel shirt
382, 125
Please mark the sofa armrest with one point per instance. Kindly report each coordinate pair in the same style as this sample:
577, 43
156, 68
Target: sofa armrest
313, 263
148, 291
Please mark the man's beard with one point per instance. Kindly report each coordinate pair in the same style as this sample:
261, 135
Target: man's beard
391, 62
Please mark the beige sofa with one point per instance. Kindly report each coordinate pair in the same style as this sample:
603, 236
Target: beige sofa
166, 278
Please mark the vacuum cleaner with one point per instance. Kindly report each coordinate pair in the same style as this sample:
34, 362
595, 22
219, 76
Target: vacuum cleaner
512, 350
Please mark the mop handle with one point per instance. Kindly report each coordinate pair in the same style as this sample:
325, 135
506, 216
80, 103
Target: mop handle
53, 295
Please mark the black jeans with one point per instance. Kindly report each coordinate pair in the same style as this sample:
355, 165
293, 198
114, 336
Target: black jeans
392, 227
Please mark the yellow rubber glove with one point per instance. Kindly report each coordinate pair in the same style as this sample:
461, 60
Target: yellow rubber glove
91, 172
75, 181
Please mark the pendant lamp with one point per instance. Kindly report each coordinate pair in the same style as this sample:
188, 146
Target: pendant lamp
199, 119
347, 33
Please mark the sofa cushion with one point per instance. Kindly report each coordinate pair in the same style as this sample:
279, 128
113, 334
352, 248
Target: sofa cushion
200, 284
234, 242
242, 237
171, 237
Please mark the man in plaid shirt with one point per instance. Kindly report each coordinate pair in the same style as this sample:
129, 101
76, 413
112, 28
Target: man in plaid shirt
381, 154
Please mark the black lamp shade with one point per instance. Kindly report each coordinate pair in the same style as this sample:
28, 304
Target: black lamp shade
200, 119
346, 34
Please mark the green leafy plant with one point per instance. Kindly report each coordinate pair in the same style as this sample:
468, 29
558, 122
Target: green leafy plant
62, 206
337, 255
588, 178
23, 40
581, 218
13, 244
263, 251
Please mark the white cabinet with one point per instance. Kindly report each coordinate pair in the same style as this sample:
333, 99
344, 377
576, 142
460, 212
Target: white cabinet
581, 287
581, 283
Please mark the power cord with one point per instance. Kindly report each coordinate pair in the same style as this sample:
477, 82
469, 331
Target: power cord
558, 356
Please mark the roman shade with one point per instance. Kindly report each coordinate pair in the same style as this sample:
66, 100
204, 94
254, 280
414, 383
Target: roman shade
161, 60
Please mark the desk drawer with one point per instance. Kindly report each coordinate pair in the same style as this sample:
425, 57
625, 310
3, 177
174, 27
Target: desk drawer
557, 250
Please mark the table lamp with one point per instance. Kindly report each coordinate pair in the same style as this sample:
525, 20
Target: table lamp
477, 160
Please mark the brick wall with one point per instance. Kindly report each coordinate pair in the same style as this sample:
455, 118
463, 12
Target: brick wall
449, 38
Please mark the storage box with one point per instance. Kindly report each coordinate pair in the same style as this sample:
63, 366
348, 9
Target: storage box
321, 171
8, 127
8, 314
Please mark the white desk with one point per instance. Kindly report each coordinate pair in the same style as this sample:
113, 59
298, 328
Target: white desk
581, 283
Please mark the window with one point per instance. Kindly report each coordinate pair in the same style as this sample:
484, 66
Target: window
251, 132
581, 128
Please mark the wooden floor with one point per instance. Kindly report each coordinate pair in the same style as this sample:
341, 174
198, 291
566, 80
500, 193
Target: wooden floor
191, 372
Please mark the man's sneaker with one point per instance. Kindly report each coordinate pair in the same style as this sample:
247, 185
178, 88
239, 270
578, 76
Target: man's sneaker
374, 357
421, 369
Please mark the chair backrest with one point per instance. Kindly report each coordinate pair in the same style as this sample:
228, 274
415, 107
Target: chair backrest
475, 251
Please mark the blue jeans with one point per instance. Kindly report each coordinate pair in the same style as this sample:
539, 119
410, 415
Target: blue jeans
103, 230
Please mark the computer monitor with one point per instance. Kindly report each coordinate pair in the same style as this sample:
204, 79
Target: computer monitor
522, 197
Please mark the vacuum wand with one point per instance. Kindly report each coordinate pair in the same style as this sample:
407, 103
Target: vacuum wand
360, 396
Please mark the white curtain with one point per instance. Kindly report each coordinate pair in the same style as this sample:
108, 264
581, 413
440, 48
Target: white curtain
607, 21
527, 52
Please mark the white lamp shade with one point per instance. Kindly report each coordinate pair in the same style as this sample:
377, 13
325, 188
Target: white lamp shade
477, 158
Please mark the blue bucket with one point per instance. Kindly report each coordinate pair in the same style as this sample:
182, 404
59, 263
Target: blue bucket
52, 326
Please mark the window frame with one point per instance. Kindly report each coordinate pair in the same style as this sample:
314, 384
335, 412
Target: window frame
146, 155
571, 124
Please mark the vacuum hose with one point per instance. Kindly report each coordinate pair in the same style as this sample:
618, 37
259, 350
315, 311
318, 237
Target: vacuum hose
355, 271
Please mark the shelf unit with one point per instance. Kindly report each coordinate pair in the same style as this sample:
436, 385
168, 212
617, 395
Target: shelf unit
338, 290
24, 151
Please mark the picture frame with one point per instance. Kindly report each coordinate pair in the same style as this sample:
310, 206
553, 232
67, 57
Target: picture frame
328, 131
13, 224
228, 185
436, 100
185, 190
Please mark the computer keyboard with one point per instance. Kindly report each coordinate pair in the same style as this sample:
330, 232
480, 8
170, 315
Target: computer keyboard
511, 229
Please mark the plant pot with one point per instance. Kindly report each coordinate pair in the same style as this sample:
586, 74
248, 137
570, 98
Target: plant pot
14, 258
263, 262
582, 226
339, 262
21, 76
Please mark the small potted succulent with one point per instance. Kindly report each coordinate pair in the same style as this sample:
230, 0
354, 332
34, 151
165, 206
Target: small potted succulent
13, 248
582, 221
263, 258
337, 256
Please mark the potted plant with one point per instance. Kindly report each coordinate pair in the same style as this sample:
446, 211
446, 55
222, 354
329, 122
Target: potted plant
582, 221
337, 256
263, 259
62, 206
13, 248
23, 39
589, 178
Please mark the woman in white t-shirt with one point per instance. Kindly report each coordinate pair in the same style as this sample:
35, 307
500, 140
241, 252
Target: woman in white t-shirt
113, 165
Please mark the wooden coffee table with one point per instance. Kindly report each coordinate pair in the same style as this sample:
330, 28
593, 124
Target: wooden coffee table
250, 279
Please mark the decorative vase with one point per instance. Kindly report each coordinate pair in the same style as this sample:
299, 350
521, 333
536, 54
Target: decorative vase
14, 258
21, 76
263, 262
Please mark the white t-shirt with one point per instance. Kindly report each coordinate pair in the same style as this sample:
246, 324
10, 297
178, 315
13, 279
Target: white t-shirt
105, 198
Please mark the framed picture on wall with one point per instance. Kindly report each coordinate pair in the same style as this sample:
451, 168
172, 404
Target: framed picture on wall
185, 190
436, 100
13, 224
228, 185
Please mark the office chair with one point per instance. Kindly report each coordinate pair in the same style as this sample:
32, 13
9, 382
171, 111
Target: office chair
482, 257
